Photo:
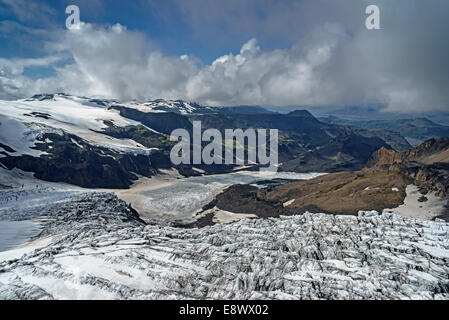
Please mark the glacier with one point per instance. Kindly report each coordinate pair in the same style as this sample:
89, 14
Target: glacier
94, 246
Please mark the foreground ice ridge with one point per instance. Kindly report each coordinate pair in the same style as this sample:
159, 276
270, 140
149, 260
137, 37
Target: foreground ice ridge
100, 249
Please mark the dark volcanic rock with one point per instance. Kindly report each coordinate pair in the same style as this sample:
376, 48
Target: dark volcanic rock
305, 144
72, 160
160, 158
346, 152
7, 148
164, 122
422, 164
247, 199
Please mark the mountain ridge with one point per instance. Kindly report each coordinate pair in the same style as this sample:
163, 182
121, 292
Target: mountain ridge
384, 184
99, 128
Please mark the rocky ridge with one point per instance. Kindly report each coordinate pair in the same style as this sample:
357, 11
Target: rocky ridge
427, 165
97, 139
379, 186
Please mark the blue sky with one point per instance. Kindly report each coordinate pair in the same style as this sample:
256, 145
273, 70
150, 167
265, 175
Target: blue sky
233, 52
164, 22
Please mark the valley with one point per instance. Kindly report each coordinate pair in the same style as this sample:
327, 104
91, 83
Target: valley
92, 207
218, 155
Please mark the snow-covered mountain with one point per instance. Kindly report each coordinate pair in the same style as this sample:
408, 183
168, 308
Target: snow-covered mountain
159, 105
108, 143
79, 116
176, 106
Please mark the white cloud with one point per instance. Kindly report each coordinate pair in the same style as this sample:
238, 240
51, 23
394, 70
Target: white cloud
13, 82
116, 62
332, 65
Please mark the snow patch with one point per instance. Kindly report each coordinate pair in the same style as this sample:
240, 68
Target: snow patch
286, 204
433, 207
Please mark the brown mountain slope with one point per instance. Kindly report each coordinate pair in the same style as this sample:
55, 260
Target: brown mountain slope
379, 186
430, 152
345, 193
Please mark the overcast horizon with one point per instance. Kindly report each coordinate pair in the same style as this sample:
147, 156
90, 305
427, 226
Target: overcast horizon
227, 53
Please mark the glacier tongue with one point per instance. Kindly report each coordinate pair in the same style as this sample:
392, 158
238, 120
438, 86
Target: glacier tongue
100, 249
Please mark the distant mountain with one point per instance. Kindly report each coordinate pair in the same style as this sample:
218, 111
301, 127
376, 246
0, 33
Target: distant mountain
394, 139
363, 113
430, 152
301, 114
352, 112
244, 110
419, 129
175, 106
305, 144
159, 105
105, 143
63, 138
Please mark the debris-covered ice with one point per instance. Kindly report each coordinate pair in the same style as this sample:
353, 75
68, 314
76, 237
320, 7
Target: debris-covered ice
100, 249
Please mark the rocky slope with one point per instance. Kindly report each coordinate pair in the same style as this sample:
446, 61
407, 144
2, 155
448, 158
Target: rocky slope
337, 193
100, 249
68, 158
429, 152
427, 165
381, 185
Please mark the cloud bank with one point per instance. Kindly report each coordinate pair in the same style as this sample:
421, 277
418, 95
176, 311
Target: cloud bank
333, 61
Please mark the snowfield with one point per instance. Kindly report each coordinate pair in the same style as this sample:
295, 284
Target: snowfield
433, 207
23, 121
177, 106
100, 249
